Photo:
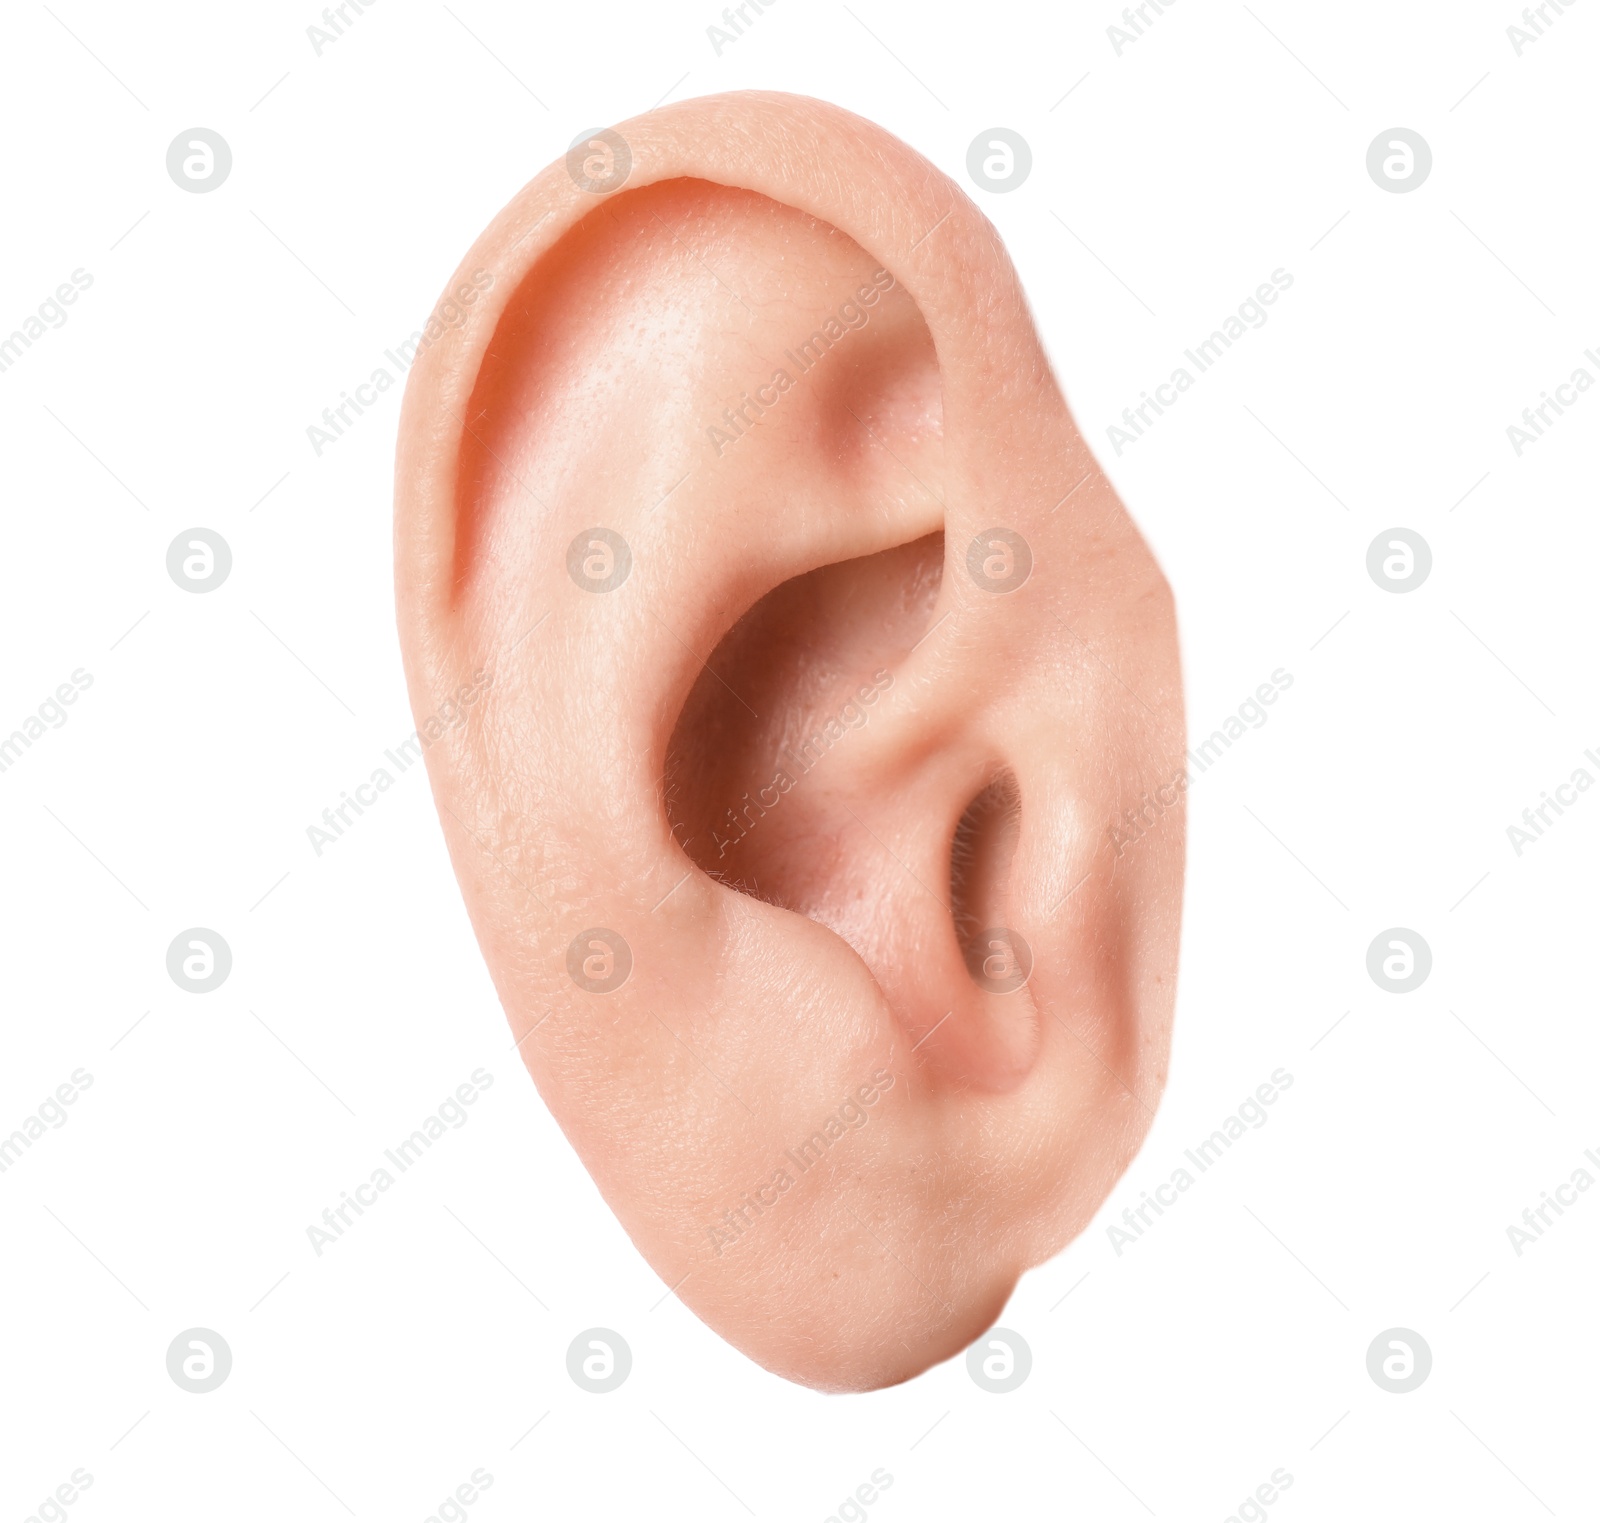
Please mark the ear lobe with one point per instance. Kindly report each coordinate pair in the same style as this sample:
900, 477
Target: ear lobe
824, 662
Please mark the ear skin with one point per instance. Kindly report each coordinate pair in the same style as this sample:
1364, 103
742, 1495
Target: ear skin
821, 1102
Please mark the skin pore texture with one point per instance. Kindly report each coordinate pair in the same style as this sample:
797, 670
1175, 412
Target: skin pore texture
794, 770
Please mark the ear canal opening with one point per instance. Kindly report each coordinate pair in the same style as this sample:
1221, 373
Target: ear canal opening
981, 854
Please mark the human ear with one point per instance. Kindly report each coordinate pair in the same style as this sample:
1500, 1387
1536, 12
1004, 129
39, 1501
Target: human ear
827, 685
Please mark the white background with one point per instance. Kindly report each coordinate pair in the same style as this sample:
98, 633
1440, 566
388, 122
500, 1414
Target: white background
1171, 1380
